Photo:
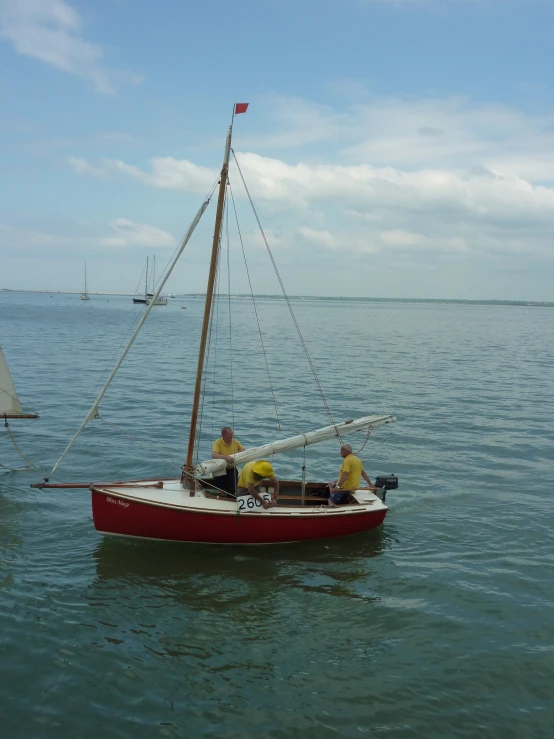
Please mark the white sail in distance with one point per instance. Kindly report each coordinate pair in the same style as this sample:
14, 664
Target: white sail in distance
218, 466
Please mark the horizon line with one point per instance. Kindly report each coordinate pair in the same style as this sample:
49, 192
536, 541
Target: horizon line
273, 296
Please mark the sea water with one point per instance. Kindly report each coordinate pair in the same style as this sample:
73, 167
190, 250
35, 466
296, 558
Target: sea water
438, 624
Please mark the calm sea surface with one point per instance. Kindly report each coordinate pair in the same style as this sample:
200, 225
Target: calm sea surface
439, 624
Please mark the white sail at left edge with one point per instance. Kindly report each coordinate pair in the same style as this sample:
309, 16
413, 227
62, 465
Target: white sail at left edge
9, 402
10, 407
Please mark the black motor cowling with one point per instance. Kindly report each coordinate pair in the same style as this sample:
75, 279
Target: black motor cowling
389, 482
384, 483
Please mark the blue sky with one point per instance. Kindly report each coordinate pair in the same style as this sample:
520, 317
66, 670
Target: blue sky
400, 148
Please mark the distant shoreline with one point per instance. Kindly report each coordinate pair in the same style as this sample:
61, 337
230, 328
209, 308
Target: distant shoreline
60, 292
450, 301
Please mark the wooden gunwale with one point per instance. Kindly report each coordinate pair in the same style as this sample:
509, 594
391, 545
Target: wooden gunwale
315, 511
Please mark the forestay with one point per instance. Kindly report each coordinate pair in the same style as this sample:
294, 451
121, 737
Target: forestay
218, 466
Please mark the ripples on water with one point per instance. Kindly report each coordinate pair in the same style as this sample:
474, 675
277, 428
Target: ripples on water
439, 624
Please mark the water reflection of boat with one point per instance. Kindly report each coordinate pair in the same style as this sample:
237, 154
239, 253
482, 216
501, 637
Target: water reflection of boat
155, 564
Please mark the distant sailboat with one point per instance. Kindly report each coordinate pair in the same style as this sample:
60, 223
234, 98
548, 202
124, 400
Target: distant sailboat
149, 295
84, 294
138, 299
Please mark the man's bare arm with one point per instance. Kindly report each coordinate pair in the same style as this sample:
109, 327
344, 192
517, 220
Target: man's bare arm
255, 494
227, 457
339, 482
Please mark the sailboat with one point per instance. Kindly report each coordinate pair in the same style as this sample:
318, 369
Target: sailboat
158, 300
10, 405
84, 294
191, 508
149, 296
138, 298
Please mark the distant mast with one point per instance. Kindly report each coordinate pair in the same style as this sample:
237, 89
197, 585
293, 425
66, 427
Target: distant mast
84, 294
146, 282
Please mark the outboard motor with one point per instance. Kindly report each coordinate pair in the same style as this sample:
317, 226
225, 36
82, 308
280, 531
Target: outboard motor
384, 483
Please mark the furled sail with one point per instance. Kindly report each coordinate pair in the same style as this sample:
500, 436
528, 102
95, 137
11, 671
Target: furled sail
218, 466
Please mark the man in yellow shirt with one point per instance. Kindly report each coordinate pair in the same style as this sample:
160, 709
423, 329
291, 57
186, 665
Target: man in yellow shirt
350, 473
224, 448
252, 475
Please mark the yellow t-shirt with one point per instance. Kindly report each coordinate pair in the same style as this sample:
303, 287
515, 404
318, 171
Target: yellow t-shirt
353, 466
222, 448
247, 476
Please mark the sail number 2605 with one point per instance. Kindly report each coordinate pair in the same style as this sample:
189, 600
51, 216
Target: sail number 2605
249, 503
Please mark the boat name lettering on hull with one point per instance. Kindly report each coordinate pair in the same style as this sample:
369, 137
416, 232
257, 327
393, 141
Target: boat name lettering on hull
117, 502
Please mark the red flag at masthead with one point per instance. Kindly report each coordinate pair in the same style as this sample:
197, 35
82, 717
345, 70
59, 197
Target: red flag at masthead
241, 108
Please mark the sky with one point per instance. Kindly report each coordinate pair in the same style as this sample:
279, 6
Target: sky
392, 148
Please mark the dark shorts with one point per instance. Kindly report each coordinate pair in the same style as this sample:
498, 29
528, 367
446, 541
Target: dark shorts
340, 497
228, 481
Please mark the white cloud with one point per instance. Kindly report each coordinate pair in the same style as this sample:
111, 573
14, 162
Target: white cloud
432, 133
406, 241
172, 174
127, 233
166, 173
426, 176
481, 192
50, 30
68, 237
401, 238
379, 207
81, 166
323, 238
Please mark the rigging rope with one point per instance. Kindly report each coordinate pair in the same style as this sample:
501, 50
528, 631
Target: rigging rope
145, 445
12, 469
229, 309
139, 281
92, 394
14, 442
255, 307
177, 461
131, 327
368, 434
305, 348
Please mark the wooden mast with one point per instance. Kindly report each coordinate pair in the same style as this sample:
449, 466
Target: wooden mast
208, 306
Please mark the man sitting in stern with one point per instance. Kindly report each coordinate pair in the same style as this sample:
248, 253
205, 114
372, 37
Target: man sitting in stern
350, 473
252, 475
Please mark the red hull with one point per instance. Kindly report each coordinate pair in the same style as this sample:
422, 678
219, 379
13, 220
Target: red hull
131, 518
